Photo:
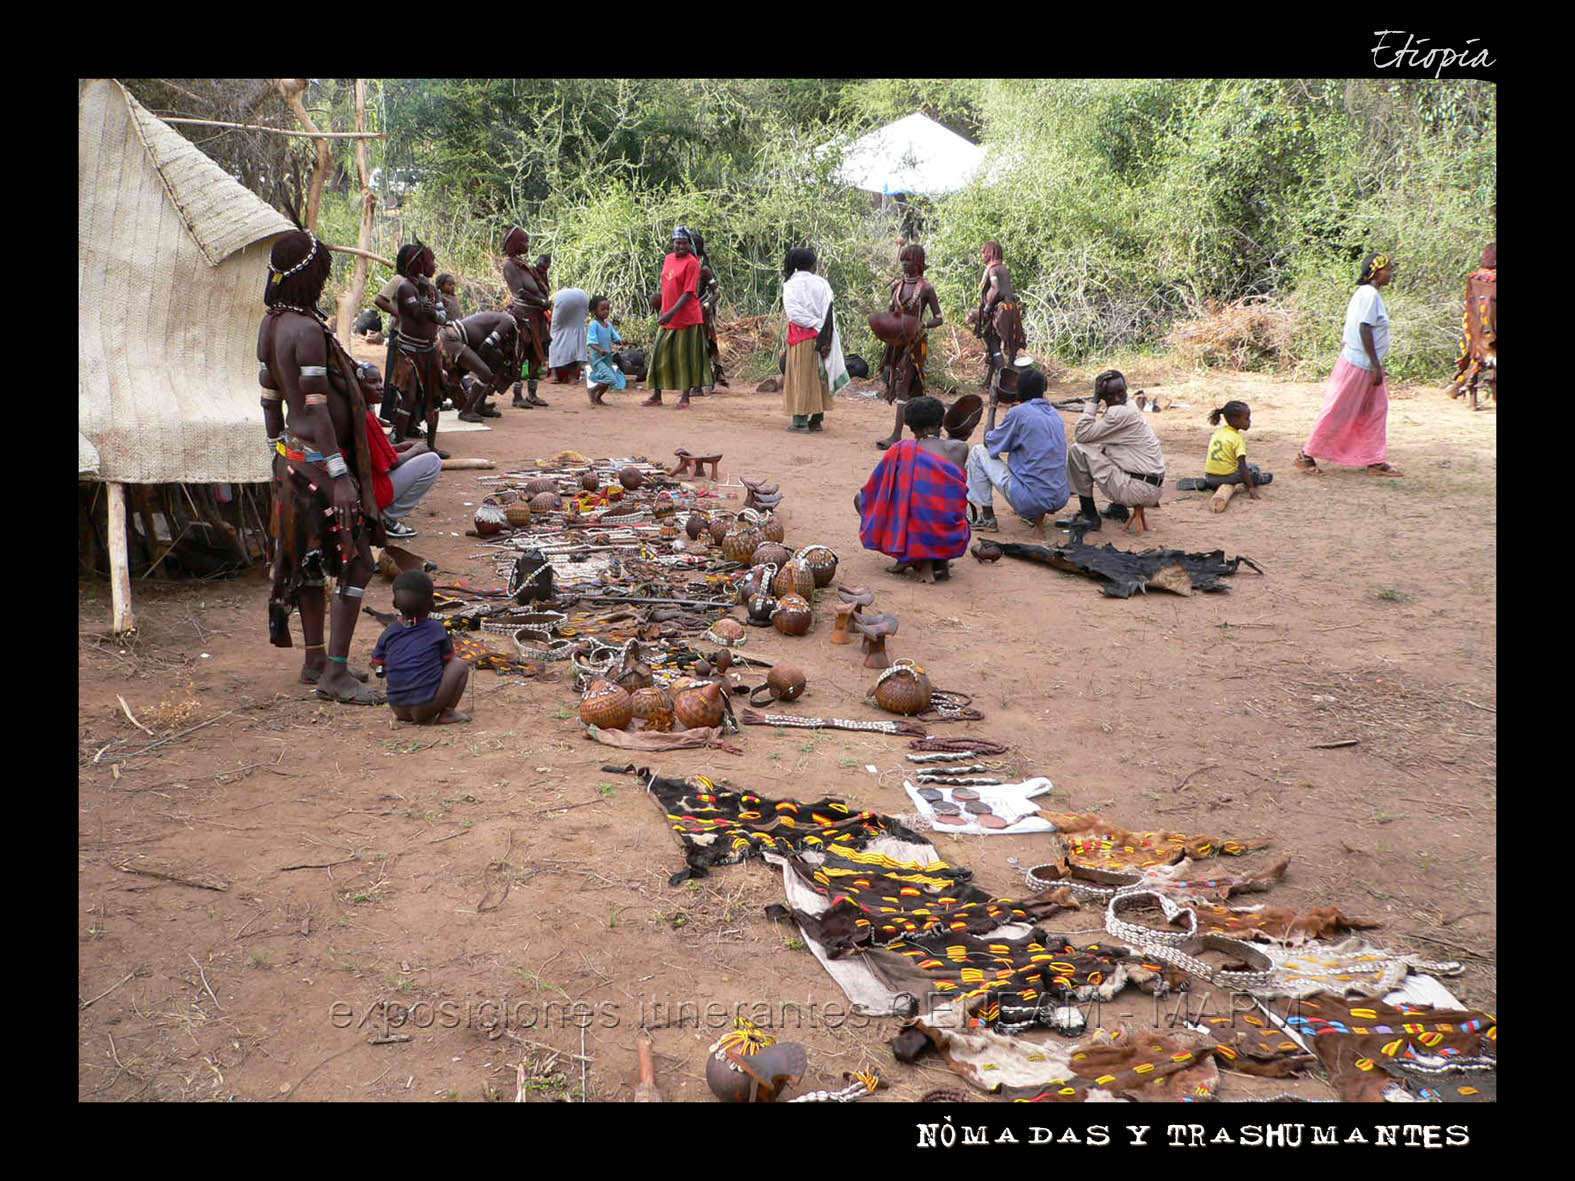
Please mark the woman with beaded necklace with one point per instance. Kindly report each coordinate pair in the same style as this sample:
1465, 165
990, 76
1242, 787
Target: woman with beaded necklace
902, 365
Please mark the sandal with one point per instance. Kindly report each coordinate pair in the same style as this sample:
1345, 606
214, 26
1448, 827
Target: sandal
1384, 469
310, 676
1306, 463
361, 695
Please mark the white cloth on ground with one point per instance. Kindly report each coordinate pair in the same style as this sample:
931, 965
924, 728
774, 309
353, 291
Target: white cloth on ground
1009, 801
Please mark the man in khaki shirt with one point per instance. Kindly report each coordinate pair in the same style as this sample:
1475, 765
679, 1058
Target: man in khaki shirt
1118, 452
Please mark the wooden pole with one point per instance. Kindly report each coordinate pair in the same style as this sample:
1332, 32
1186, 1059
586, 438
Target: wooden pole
119, 568
350, 299
292, 89
280, 130
1220, 501
387, 262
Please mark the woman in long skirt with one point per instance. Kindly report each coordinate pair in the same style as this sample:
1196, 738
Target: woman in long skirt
815, 369
1353, 426
679, 360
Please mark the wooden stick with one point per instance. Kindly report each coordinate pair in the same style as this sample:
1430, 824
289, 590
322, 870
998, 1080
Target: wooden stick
316, 865
220, 886
356, 289
130, 715
646, 1092
208, 988
119, 567
467, 465
1220, 501
292, 89
280, 130
1334, 745
366, 253
664, 602
111, 988
182, 734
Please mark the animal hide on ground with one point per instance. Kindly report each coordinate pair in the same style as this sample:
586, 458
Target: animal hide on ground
1112, 1064
1122, 574
1439, 1055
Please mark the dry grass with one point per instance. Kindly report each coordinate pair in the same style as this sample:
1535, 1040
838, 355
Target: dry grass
1255, 333
173, 713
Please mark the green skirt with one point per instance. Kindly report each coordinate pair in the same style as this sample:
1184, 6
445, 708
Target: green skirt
679, 359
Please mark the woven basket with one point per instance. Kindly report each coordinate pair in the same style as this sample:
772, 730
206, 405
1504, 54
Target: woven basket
903, 689
796, 578
822, 562
739, 542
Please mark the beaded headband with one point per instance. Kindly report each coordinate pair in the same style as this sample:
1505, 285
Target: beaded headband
310, 254
1380, 261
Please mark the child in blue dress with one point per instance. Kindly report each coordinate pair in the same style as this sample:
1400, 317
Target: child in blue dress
599, 342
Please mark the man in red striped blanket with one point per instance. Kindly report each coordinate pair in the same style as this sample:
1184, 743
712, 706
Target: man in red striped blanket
914, 507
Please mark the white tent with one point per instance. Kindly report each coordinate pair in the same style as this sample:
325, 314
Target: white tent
913, 155
172, 255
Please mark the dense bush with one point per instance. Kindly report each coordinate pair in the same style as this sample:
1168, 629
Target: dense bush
1125, 206
1128, 208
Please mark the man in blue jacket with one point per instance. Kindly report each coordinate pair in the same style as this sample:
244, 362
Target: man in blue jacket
1034, 480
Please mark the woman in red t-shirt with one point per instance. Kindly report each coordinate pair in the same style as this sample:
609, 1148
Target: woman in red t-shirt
679, 359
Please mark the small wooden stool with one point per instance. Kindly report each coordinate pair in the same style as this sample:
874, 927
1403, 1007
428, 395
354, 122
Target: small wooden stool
1139, 520
840, 633
687, 462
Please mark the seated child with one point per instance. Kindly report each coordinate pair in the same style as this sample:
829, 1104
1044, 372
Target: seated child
425, 682
914, 506
1227, 462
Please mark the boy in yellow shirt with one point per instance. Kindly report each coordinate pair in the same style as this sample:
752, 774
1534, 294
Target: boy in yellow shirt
1227, 462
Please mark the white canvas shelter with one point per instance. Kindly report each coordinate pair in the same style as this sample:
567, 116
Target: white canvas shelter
172, 255
913, 155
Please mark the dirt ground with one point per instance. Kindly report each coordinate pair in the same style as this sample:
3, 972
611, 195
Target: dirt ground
385, 893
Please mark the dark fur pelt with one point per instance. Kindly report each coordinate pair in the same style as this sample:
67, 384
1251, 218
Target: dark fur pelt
1122, 574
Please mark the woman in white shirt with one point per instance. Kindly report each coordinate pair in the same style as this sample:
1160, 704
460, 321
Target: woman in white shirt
814, 368
1352, 428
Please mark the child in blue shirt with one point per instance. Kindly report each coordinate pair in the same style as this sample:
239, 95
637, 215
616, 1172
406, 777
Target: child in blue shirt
425, 682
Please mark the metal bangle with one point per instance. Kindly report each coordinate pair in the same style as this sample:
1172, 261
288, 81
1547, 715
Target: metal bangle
336, 465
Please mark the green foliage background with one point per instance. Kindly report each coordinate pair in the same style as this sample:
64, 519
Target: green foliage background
1124, 206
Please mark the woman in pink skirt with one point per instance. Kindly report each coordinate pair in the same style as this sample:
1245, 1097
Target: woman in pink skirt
1352, 428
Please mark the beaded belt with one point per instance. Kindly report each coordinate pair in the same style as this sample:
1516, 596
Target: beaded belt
411, 344
1149, 936
1166, 945
296, 456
